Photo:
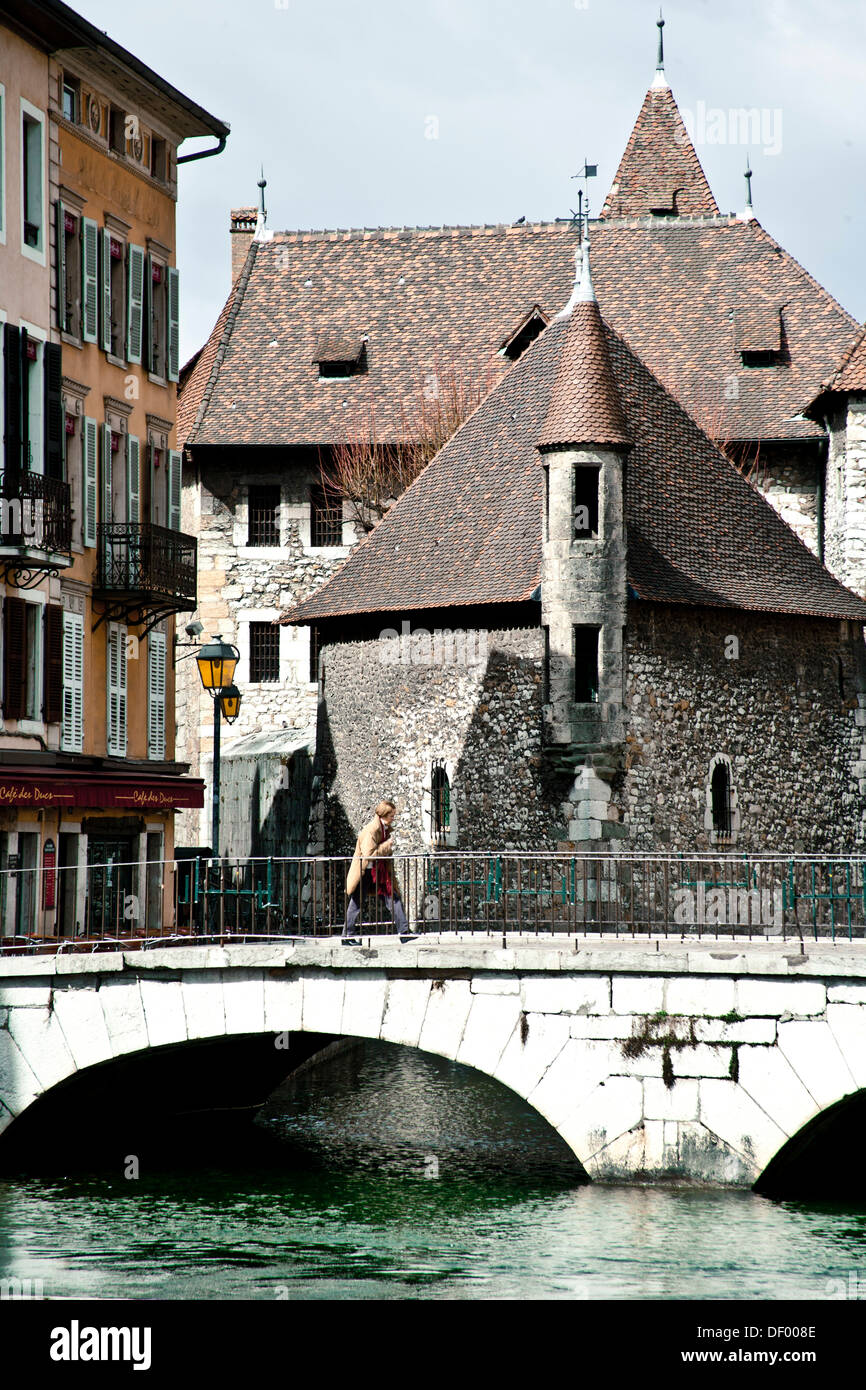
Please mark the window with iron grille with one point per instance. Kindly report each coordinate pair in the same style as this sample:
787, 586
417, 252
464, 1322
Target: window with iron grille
264, 652
440, 793
315, 648
264, 515
326, 518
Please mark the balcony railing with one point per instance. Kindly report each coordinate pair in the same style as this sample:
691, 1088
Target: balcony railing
35, 513
137, 557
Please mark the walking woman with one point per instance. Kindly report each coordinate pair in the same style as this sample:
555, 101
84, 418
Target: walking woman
372, 876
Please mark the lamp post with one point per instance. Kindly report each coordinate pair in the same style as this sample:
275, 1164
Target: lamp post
216, 663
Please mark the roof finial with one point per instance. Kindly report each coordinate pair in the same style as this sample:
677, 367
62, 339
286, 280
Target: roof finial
748, 214
582, 291
660, 80
261, 233
263, 183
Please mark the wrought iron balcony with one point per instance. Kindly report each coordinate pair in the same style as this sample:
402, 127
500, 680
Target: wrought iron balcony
35, 526
145, 571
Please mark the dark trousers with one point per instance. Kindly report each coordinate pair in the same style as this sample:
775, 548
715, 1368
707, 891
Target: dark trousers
368, 888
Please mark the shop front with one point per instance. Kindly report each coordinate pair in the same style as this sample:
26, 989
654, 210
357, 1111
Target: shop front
88, 852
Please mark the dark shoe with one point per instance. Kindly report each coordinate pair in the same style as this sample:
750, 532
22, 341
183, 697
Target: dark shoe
350, 940
404, 939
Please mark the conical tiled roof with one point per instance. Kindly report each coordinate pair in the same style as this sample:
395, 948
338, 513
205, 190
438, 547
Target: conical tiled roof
585, 407
659, 171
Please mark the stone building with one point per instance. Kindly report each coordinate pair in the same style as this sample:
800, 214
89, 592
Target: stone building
328, 334
663, 663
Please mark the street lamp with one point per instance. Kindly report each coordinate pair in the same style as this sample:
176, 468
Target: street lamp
216, 663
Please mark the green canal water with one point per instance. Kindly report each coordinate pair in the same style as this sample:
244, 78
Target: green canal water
388, 1174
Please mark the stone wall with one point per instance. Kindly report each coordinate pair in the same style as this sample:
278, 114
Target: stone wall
788, 477
782, 700
769, 693
239, 584
845, 498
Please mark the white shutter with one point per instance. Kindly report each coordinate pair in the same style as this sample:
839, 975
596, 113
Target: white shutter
133, 476
116, 683
72, 733
89, 280
135, 303
91, 471
156, 656
173, 484
173, 354
105, 291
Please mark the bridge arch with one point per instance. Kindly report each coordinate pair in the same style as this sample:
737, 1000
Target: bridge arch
716, 1102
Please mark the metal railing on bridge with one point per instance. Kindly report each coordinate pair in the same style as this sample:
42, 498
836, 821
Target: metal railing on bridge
675, 896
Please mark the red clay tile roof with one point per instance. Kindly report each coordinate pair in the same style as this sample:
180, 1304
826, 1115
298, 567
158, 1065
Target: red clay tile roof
659, 170
584, 404
468, 530
850, 375
434, 299
339, 345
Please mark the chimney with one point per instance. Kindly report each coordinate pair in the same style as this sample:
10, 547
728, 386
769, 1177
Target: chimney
241, 229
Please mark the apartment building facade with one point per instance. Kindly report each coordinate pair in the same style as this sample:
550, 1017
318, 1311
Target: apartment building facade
93, 561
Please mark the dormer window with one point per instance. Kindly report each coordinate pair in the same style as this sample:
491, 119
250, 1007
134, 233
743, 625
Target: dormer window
340, 354
758, 335
525, 333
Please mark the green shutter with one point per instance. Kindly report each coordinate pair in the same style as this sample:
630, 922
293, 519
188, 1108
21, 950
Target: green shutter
90, 480
107, 510
156, 663
105, 290
173, 355
89, 280
174, 483
133, 479
135, 303
60, 263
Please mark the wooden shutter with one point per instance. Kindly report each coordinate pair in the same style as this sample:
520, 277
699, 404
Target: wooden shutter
89, 280
173, 482
135, 303
72, 733
133, 479
116, 683
106, 507
54, 431
105, 290
89, 447
14, 656
12, 397
60, 262
173, 354
52, 667
147, 316
156, 657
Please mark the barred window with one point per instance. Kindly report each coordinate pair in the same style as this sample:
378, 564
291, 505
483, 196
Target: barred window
264, 516
264, 652
440, 792
326, 518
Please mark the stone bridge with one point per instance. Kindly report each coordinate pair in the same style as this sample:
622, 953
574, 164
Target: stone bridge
652, 1059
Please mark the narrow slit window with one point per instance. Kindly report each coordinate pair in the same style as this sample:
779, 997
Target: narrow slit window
586, 481
585, 665
721, 799
440, 794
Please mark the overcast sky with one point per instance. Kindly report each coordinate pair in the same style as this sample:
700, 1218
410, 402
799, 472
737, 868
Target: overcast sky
382, 113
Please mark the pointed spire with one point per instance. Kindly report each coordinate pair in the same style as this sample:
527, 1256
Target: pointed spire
748, 213
262, 233
660, 80
659, 171
585, 406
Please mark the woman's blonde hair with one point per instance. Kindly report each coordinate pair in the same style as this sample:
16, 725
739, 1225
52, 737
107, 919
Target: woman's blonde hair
385, 806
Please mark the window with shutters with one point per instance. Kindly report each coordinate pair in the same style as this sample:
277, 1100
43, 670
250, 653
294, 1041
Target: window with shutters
52, 666
173, 487
2, 164
72, 730
135, 303
32, 402
32, 182
156, 658
116, 690
157, 284
69, 277
114, 295
22, 659
90, 454
89, 280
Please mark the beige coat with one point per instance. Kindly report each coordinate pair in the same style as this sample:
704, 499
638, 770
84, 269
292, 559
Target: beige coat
367, 848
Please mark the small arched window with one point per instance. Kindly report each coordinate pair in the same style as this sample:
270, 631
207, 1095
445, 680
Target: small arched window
721, 799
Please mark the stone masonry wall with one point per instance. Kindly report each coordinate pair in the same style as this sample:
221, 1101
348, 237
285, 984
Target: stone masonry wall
239, 584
